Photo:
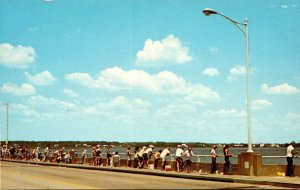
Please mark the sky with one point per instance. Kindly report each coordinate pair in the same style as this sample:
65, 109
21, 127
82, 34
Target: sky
136, 71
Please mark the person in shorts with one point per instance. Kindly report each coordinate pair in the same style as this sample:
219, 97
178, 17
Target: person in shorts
147, 155
179, 160
163, 156
141, 157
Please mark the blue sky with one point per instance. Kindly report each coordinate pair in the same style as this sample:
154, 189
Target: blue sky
131, 70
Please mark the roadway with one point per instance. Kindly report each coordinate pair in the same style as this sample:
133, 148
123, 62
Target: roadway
29, 176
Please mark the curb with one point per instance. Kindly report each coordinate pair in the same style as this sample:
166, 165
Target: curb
227, 179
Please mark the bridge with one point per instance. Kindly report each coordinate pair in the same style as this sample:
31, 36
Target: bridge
40, 175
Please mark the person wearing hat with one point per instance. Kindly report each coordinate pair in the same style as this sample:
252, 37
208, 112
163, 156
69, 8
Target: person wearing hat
188, 154
141, 157
147, 155
289, 157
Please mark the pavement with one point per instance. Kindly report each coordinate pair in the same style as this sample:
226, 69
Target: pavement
278, 181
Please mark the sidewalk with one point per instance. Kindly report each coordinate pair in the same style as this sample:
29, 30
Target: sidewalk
288, 182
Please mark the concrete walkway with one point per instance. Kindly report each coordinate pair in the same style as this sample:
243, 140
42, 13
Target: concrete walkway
288, 182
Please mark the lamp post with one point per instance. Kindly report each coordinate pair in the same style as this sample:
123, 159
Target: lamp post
243, 26
7, 124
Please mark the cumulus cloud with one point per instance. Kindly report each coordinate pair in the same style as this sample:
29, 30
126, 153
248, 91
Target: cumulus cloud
279, 89
41, 79
260, 104
165, 52
49, 103
236, 72
211, 72
16, 57
70, 93
23, 90
166, 82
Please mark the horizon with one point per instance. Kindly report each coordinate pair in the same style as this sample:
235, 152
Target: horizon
130, 70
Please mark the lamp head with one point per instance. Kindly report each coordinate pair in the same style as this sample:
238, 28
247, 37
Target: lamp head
208, 11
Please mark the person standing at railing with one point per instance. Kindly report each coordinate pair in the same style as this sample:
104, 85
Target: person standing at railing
163, 156
179, 160
156, 158
128, 157
115, 160
290, 154
227, 165
147, 155
98, 156
136, 157
46, 153
37, 153
188, 154
108, 155
141, 157
214, 155
83, 155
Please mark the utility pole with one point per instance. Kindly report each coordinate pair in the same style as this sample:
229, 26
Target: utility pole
7, 124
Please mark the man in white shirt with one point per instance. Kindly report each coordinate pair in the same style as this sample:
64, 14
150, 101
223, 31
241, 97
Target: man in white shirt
163, 156
179, 161
147, 155
289, 157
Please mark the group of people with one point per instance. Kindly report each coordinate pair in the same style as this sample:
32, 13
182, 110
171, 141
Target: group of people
227, 169
37, 154
291, 153
139, 157
112, 158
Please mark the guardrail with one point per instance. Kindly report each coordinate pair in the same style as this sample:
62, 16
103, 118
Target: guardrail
197, 158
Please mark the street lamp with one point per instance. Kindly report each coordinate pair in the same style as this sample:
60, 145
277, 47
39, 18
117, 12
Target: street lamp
244, 28
7, 124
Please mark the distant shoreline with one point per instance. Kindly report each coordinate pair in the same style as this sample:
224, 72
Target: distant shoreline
139, 144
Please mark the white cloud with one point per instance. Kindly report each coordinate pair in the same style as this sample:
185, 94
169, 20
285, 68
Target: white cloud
19, 57
165, 52
211, 72
279, 89
260, 104
23, 90
284, 6
117, 105
232, 113
45, 103
70, 93
213, 50
165, 82
236, 72
83, 79
41, 79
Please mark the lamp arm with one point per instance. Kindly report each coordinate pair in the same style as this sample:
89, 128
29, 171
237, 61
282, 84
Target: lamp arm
241, 26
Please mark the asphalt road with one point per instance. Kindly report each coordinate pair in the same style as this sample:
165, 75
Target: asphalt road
28, 176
